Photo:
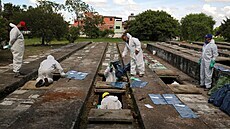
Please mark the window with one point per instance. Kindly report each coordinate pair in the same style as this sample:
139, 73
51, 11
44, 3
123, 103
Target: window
111, 19
118, 27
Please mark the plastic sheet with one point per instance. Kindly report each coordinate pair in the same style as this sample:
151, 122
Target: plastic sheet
76, 75
184, 111
138, 84
157, 99
171, 99
118, 84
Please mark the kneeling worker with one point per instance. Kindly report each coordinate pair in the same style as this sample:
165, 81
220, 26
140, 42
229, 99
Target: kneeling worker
45, 76
110, 102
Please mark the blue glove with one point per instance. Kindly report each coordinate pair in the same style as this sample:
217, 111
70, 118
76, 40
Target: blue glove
212, 64
7, 46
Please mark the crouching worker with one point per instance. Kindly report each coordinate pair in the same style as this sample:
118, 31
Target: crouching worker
45, 75
110, 102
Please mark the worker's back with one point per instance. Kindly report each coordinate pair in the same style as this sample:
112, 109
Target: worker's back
110, 102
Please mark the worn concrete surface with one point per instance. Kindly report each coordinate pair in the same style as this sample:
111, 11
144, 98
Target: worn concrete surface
183, 61
110, 115
8, 83
165, 116
59, 107
222, 49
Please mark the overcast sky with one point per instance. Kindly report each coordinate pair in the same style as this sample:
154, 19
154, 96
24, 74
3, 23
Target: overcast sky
218, 9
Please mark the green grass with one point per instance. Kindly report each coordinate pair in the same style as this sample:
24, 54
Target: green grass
36, 41
219, 39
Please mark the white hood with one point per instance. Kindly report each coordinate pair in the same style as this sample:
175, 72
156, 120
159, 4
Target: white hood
113, 98
129, 35
50, 57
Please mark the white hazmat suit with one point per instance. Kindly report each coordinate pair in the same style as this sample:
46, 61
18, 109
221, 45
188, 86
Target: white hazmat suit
137, 61
209, 52
110, 102
110, 75
17, 49
47, 67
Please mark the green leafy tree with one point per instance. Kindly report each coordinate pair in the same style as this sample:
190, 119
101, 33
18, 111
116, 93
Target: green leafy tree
73, 34
44, 22
3, 29
154, 25
106, 33
196, 26
78, 7
91, 26
10, 10
225, 29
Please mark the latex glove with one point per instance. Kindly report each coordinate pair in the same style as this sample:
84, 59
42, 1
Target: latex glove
7, 46
63, 74
212, 64
199, 62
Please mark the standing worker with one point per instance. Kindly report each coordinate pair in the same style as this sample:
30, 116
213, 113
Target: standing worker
207, 61
16, 44
136, 54
45, 75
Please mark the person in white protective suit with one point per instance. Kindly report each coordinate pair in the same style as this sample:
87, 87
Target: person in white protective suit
110, 102
133, 45
45, 75
207, 61
109, 74
17, 46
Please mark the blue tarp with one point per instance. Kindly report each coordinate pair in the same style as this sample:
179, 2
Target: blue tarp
76, 75
157, 99
226, 104
222, 68
184, 111
171, 99
138, 84
118, 84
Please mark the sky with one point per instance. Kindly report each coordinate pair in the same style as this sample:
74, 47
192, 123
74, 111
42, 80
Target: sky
218, 9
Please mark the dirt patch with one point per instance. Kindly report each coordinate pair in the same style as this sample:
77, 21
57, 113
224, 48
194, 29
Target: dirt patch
58, 96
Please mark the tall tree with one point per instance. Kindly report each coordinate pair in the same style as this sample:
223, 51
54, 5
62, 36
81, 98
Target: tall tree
154, 25
196, 26
3, 29
225, 29
91, 25
43, 21
78, 7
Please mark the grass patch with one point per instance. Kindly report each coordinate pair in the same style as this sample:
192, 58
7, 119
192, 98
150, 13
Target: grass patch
37, 41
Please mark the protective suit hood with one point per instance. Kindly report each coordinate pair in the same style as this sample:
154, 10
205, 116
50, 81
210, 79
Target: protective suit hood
50, 57
113, 98
129, 35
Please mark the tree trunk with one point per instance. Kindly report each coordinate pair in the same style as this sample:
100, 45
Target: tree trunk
43, 39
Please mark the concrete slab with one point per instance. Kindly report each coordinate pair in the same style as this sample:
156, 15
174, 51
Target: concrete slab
110, 115
160, 116
12, 83
184, 89
30, 85
119, 91
105, 85
64, 101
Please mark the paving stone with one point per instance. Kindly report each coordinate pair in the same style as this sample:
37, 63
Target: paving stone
184, 89
110, 115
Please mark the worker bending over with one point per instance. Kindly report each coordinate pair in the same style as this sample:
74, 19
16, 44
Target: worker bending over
110, 102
